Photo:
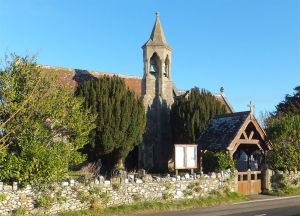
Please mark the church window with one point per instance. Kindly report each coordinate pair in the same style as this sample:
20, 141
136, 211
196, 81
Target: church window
167, 69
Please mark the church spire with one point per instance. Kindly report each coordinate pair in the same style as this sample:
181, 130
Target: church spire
157, 35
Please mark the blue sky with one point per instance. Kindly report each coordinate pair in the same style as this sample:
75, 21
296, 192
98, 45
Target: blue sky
251, 47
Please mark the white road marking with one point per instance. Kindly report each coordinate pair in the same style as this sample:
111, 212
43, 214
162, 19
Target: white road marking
260, 215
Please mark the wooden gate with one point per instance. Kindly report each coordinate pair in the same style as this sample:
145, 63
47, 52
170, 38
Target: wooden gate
249, 182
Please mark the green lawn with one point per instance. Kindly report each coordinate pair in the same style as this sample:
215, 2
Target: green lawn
289, 191
160, 206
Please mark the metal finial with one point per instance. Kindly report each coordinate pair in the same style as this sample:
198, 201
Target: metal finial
251, 106
222, 90
157, 14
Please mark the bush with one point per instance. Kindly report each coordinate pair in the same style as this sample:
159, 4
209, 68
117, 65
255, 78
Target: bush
2, 197
19, 211
284, 131
42, 124
217, 162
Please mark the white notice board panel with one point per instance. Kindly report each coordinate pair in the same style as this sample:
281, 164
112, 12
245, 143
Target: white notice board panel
179, 155
185, 156
190, 157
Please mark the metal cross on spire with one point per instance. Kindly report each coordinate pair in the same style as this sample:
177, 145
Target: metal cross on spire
251, 106
157, 14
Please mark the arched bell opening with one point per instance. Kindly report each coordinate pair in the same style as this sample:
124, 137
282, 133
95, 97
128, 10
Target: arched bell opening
167, 67
154, 65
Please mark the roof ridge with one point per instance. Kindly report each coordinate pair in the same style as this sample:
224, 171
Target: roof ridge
232, 114
90, 71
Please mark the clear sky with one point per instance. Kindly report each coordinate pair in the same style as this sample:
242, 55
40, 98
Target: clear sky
250, 47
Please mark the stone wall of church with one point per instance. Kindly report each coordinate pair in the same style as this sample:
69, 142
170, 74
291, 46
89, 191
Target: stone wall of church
75, 195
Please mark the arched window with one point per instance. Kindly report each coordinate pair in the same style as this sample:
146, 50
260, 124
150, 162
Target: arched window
154, 64
167, 67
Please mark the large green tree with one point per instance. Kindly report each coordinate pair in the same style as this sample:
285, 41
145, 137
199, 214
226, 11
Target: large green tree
120, 120
291, 104
284, 131
42, 124
283, 127
190, 115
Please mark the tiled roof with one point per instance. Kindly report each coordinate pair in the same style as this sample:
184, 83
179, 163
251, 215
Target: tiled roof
70, 76
222, 130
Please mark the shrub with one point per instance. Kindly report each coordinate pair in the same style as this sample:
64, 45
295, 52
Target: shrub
95, 191
44, 201
83, 196
217, 161
136, 197
105, 198
2, 197
19, 211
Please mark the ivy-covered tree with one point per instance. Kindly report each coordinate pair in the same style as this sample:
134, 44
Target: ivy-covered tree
42, 124
190, 115
120, 120
290, 105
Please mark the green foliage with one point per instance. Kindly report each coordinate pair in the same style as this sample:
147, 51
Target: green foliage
190, 116
136, 197
19, 211
105, 198
284, 131
42, 124
290, 105
2, 197
45, 201
83, 196
217, 161
95, 190
120, 118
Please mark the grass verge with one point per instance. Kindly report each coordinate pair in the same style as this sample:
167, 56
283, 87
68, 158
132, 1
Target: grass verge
289, 191
163, 206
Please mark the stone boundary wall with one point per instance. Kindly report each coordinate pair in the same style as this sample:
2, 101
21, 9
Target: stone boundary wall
289, 178
74, 195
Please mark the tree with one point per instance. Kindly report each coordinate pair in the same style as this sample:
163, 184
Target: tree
284, 131
42, 124
190, 115
120, 120
290, 105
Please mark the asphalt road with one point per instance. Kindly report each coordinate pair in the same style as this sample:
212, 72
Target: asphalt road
274, 207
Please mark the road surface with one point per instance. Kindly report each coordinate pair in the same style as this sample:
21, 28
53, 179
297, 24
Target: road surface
286, 206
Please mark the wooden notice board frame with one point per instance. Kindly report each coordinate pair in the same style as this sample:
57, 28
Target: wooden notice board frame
184, 161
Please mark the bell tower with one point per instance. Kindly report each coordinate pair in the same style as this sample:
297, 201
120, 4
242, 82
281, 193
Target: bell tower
157, 93
157, 56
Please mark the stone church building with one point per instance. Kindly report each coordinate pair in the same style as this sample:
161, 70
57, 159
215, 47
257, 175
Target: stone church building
157, 91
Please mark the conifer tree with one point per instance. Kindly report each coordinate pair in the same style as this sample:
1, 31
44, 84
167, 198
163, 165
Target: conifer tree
120, 120
190, 115
290, 105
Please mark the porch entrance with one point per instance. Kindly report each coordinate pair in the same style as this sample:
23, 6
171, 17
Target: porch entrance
249, 159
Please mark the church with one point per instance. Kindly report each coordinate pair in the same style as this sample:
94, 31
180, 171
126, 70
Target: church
157, 91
